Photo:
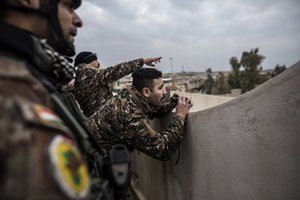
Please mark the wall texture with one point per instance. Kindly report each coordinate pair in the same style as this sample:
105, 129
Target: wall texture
246, 148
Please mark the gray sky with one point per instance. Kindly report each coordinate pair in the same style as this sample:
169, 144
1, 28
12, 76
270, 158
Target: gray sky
197, 34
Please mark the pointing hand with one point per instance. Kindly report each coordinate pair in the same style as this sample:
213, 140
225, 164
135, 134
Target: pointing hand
151, 61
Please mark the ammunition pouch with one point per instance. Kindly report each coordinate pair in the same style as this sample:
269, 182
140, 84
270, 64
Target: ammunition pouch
111, 174
100, 187
118, 170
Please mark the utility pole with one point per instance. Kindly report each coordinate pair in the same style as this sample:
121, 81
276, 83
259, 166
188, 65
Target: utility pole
171, 64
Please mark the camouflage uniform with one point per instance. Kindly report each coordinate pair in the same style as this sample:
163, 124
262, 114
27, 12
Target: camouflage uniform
125, 119
91, 84
38, 157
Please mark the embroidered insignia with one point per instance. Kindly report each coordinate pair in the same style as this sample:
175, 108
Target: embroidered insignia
49, 118
69, 170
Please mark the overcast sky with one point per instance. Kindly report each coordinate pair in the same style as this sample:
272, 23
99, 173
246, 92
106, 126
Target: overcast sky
196, 34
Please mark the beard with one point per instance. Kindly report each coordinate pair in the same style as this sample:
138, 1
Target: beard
153, 101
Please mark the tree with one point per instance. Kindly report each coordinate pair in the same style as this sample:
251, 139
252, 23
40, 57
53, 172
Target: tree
234, 76
250, 77
278, 69
209, 71
220, 86
208, 84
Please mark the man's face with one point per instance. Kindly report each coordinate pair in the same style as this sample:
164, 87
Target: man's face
69, 21
158, 92
95, 64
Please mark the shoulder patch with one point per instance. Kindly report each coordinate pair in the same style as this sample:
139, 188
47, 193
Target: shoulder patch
68, 168
41, 115
47, 116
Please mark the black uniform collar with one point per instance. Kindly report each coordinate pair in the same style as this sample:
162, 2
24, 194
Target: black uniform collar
15, 40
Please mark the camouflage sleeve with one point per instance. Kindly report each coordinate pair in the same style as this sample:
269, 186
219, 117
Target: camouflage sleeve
160, 145
111, 74
88, 75
91, 75
163, 110
123, 122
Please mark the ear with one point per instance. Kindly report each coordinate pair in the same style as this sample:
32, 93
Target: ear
146, 92
26, 3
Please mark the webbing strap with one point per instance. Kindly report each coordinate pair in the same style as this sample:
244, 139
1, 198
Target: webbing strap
63, 111
85, 138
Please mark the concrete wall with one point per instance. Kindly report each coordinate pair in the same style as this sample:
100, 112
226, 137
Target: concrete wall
246, 148
205, 101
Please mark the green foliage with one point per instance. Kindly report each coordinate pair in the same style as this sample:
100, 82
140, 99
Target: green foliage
234, 80
249, 77
278, 69
209, 71
234, 76
216, 87
208, 84
221, 85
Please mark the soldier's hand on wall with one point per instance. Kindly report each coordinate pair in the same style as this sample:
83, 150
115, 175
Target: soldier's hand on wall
183, 106
151, 61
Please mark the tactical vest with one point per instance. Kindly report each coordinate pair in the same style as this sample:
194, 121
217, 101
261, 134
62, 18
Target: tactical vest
104, 185
67, 108
39, 158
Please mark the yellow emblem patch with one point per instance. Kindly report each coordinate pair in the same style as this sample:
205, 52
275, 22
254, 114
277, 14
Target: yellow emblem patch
69, 170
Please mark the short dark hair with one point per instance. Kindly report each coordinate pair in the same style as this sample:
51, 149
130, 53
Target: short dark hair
143, 77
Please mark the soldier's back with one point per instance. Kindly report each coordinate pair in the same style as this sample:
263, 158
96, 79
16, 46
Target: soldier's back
38, 159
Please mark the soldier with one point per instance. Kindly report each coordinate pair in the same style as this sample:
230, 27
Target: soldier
39, 154
91, 87
125, 118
